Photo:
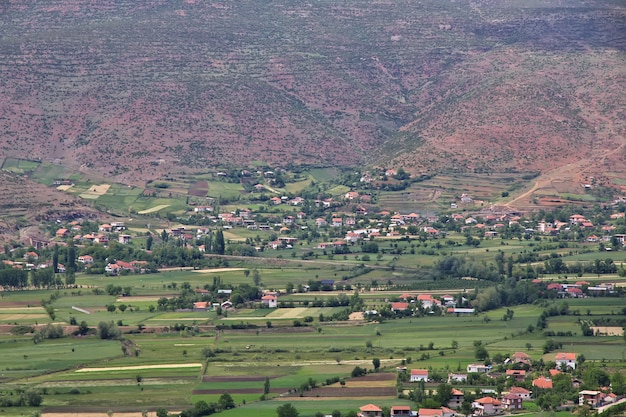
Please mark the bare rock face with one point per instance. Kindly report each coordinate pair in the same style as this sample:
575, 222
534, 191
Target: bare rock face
135, 88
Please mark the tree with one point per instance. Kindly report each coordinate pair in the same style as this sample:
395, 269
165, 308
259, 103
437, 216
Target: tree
226, 402
287, 410
256, 277
122, 307
162, 412
149, 241
83, 328
481, 353
266, 386
376, 363
220, 245
55, 258
444, 393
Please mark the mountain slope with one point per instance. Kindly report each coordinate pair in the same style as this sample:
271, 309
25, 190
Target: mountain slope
115, 86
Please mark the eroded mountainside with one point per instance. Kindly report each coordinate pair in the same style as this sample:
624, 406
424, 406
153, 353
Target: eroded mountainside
134, 87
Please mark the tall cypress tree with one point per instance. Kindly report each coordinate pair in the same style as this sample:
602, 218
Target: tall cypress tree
220, 246
55, 258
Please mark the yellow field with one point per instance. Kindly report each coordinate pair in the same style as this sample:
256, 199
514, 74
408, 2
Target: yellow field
153, 209
140, 367
9, 317
64, 187
95, 191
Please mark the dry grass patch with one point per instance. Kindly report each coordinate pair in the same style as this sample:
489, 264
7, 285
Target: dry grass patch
141, 367
153, 209
95, 191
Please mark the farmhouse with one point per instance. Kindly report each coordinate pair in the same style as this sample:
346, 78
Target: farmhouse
270, 300
478, 368
419, 375
487, 406
564, 360
456, 399
85, 259
520, 392
542, 383
592, 398
370, 410
517, 374
401, 411
512, 402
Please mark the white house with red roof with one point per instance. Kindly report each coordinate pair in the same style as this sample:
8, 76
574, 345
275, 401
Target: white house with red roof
565, 360
419, 375
487, 406
270, 300
370, 410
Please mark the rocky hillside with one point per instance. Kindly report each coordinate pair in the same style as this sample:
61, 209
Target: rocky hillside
131, 88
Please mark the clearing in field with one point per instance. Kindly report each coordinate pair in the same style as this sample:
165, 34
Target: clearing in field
140, 367
210, 271
153, 209
607, 330
137, 298
64, 187
288, 313
95, 191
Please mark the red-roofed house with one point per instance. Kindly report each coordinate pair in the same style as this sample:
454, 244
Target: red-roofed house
517, 374
270, 300
399, 306
487, 406
400, 411
370, 410
427, 300
456, 399
542, 382
419, 375
520, 392
85, 259
430, 412
564, 360
512, 402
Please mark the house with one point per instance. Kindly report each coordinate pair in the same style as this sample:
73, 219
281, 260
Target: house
337, 222
399, 306
419, 375
448, 412
226, 304
276, 200
523, 393
62, 233
85, 259
200, 306
370, 410
125, 239
592, 398
427, 300
456, 399
478, 368
542, 383
512, 402
270, 300
320, 222
520, 357
400, 411
487, 406
105, 228
430, 412
31, 255
101, 239
517, 374
457, 378
351, 195
564, 360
